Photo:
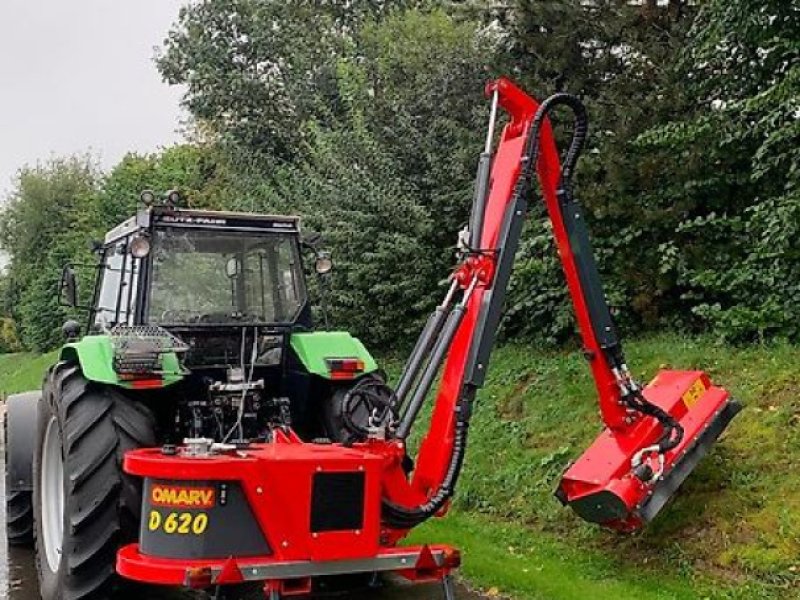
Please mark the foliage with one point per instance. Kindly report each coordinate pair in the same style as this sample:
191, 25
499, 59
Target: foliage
378, 152
9, 339
42, 228
735, 252
729, 530
257, 71
618, 57
365, 119
56, 211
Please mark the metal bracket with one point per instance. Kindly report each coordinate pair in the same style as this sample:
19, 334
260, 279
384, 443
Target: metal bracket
449, 587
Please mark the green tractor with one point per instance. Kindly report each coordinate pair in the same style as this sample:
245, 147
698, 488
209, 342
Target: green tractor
199, 328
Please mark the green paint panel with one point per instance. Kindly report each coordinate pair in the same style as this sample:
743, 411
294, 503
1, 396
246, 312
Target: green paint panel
96, 356
313, 348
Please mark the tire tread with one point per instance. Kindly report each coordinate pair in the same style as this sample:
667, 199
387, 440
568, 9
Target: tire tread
99, 425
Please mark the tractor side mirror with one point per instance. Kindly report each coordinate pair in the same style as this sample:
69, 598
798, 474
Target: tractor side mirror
68, 288
233, 268
312, 240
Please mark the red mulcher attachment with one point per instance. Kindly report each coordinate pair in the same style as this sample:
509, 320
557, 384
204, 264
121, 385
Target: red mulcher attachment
620, 481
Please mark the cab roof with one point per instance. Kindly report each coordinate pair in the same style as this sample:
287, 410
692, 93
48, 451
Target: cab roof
167, 216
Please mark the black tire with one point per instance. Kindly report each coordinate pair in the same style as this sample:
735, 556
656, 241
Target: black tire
19, 519
19, 502
19, 509
102, 506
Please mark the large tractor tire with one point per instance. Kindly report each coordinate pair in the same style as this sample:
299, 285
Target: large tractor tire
346, 413
19, 433
85, 506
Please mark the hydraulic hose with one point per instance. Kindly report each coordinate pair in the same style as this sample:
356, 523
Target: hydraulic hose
402, 517
580, 132
673, 431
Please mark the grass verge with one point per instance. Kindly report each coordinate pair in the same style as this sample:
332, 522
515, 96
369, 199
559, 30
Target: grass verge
23, 372
732, 532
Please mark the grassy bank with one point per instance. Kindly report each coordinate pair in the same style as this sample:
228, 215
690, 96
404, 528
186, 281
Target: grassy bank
733, 531
23, 372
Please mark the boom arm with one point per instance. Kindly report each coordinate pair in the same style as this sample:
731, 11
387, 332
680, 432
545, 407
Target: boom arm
466, 333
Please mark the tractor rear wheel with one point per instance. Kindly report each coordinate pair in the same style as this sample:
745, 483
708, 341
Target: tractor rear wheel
85, 506
19, 508
19, 431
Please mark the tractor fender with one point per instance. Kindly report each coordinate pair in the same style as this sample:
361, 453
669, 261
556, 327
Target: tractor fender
22, 411
314, 349
95, 356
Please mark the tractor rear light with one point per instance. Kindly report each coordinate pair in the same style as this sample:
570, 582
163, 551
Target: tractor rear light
199, 578
141, 381
345, 368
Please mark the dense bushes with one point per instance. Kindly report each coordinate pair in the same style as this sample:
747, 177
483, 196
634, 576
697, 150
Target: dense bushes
366, 119
735, 254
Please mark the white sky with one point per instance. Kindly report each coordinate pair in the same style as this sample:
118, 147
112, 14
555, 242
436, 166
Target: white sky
78, 76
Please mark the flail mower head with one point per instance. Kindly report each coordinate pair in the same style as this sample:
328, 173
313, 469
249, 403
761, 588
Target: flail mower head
622, 481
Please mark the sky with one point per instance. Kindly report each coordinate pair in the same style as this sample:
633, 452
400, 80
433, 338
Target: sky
78, 76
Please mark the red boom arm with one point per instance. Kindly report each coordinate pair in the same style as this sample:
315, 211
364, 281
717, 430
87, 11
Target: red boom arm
438, 445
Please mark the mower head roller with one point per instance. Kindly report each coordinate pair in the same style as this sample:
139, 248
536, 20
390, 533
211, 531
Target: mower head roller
621, 481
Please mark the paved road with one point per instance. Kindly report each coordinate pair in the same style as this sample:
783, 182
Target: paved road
18, 575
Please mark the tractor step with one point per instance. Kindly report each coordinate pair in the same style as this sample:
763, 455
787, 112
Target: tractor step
601, 486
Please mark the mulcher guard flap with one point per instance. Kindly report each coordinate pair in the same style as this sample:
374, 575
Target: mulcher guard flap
601, 485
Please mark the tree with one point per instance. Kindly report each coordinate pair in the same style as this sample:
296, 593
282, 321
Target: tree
55, 212
42, 228
736, 253
256, 71
378, 149
618, 57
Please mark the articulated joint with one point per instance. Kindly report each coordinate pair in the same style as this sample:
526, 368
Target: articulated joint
644, 471
478, 268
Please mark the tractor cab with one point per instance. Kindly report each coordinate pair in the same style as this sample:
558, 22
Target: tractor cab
211, 308
190, 270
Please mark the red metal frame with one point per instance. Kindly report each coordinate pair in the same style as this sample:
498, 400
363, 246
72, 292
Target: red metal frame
606, 466
276, 479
